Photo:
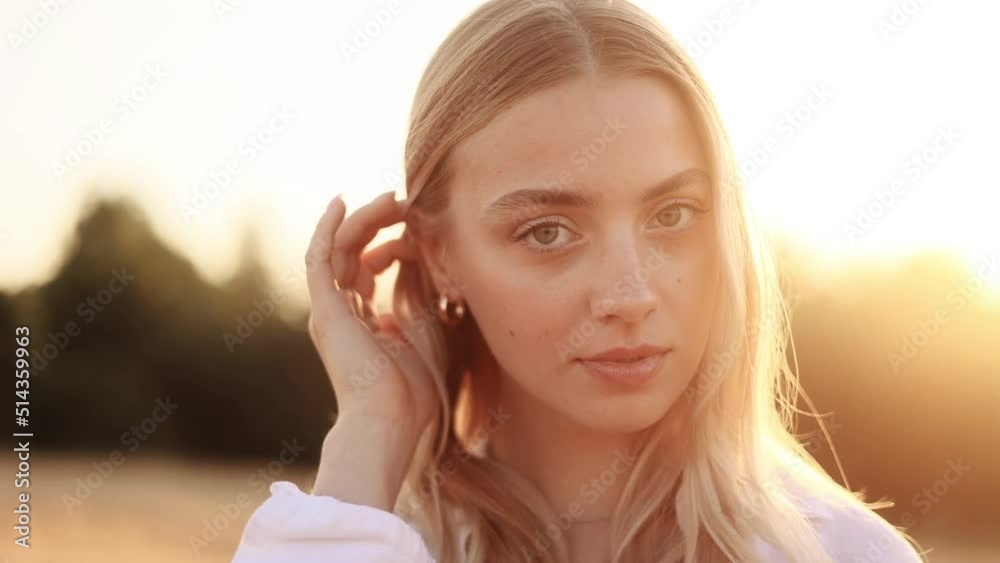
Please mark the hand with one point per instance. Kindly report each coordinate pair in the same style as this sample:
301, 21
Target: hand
376, 373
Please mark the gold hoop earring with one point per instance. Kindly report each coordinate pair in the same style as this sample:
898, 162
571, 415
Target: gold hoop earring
450, 313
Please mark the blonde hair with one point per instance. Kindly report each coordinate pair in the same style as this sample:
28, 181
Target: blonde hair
730, 485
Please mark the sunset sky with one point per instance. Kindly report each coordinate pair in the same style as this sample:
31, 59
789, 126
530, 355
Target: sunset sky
889, 95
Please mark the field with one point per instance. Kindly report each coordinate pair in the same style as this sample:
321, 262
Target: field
155, 510
147, 509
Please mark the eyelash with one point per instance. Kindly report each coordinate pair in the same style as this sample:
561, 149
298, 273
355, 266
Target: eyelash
522, 233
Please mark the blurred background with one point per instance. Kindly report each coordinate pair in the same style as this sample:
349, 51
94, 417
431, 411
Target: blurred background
162, 166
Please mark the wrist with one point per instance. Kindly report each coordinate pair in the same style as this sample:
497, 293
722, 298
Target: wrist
364, 461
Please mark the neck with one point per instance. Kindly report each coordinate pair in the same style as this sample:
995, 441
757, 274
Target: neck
581, 472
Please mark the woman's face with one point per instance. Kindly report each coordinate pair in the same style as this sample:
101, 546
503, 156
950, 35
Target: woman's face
581, 222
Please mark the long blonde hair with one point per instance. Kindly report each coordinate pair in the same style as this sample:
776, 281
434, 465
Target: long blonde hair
731, 485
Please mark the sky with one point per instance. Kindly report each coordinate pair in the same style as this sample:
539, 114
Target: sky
863, 128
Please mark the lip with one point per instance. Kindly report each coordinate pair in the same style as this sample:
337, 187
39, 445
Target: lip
623, 354
625, 366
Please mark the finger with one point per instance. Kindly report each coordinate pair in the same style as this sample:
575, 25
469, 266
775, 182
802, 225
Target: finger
359, 229
328, 302
333, 311
319, 274
377, 260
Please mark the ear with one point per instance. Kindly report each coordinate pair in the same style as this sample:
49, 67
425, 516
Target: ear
435, 252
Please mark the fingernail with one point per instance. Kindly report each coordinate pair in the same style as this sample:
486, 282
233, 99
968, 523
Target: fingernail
334, 200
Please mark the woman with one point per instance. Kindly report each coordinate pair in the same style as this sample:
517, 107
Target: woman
585, 360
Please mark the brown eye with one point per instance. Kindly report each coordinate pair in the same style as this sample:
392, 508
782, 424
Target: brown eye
545, 234
670, 216
549, 234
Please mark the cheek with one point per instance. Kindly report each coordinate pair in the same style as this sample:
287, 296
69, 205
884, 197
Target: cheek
697, 280
521, 318
692, 285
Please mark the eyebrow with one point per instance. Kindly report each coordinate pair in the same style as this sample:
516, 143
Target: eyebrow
517, 200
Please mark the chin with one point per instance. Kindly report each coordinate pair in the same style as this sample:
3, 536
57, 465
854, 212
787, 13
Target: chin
627, 417
628, 412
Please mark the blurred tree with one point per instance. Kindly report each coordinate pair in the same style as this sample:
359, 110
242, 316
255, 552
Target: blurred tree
131, 322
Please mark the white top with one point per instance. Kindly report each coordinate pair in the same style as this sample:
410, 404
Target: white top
292, 525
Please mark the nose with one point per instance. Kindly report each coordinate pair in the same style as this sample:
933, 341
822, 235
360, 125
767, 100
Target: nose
625, 287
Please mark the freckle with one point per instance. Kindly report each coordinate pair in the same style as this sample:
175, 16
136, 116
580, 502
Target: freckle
678, 281
511, 332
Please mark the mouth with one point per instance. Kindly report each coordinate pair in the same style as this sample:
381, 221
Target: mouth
626, 355
630, 366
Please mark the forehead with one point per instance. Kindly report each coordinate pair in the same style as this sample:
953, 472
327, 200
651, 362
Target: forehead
602, 136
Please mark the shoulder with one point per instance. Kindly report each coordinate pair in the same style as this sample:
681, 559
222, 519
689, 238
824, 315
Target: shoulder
852, 532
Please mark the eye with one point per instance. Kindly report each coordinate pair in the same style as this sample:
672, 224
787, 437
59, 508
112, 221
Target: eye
672, 215
544, 235
678, 215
